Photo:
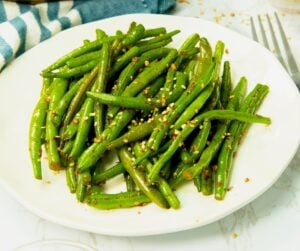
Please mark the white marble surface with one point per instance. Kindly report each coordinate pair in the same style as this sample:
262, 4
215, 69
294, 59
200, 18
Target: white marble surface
271, 222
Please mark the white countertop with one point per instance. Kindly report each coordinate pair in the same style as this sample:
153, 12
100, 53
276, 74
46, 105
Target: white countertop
271, 222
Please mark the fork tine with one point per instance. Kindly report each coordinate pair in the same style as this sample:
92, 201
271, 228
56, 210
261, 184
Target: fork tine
263, 34
254, 34
277, 49
290, 57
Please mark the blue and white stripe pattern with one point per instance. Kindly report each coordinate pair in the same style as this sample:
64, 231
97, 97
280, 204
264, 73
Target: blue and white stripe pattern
23, 26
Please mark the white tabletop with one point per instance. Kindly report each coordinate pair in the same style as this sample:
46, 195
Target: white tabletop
271, 222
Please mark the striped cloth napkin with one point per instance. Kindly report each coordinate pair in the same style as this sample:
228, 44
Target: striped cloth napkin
23, 26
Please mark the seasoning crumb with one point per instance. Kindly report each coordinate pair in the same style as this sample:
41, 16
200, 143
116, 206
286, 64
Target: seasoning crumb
235, 235
246, 179
48, 182
217, 19
139, 212
226, 51
229, 188
232, 14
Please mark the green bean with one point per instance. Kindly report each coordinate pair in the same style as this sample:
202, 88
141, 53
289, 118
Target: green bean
156, 45
100, 86
188, 129
108, 173
186, 50
194, 107
59, 111
226, 84
120, 200
122, 101
149, 74
71, 128
158, 38
207, 180
90, 156
198, 144
67, 147
100, 34
190, 69
83, 59
37, 123
83, 129
134, 35
197, 182
73, 72
124, 60
96, 190
189, 53
205, 57
251, 103
78, 98
83, 180
162, 184
190, 42
130, 185
95, 45
178, 88
71, 179
59, 87
134, 134
139, 178
154, 32
175, 180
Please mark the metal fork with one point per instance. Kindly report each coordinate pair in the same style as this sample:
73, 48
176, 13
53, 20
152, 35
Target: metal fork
291, 65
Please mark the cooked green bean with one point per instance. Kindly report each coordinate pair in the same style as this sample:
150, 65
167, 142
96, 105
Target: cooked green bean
59, 111
139, 178
78, 98
134, 134
95, 45
119, 200
122, 101
154, 32
158, 38
83, 180
108, 173
71, 179
162, 184
100, 86
37, 123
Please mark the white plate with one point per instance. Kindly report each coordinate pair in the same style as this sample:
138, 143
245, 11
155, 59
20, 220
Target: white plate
262, 157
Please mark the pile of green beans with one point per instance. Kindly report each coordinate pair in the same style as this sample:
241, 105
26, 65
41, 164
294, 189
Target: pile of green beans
170, 115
